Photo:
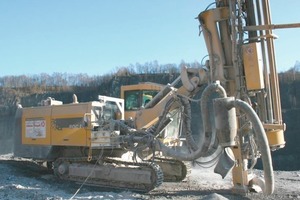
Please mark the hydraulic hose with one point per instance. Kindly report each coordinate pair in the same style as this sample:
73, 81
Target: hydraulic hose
263, 143
205, 139
209, 136
205, 136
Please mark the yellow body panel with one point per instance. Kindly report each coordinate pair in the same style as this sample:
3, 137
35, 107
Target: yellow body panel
68, 124
57, 125
36, 126
253, 64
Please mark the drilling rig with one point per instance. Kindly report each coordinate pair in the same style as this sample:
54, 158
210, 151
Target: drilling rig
85, 142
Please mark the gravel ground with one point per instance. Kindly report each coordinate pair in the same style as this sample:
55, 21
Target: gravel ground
24, 179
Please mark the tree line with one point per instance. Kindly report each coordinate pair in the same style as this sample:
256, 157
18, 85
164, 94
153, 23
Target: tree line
291, 75
66, 80
13, 87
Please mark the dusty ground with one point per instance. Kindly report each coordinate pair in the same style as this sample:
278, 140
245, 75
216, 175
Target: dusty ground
24, 179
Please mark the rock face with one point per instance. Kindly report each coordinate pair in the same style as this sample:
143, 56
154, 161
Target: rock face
291, 113
6, 132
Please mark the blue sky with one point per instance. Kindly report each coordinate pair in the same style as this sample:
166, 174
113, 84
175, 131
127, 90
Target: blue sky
98, 36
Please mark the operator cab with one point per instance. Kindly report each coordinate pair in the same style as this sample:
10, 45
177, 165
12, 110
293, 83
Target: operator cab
137, 99
137, 96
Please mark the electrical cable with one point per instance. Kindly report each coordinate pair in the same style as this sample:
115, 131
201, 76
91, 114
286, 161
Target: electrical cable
86, 179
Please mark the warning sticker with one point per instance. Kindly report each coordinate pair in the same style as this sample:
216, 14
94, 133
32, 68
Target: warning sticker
35, 128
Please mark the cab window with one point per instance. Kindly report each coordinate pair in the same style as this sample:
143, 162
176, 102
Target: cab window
132, 101
147, 95
136, 99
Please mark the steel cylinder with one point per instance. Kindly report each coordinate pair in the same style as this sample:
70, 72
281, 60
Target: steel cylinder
225, 121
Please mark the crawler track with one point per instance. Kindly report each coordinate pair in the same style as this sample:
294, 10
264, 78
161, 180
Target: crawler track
174, 170
110, 173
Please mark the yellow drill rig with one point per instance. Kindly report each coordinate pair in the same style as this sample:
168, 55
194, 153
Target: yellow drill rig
87, 141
